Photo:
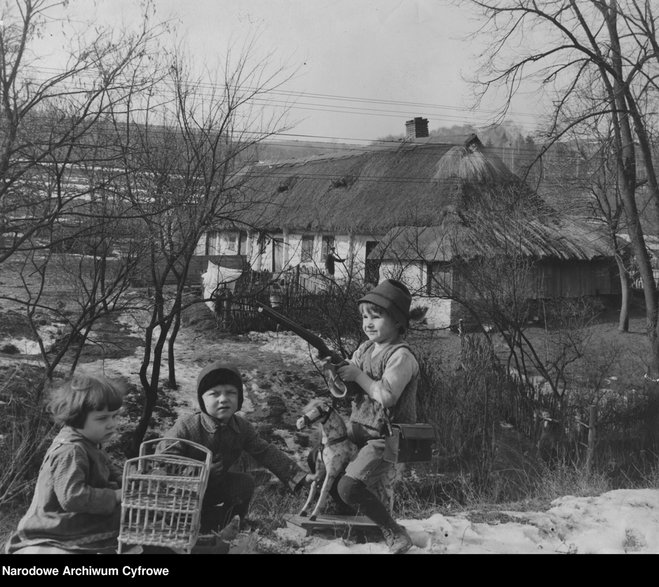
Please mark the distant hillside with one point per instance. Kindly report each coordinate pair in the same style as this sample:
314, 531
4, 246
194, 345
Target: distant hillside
506, 134
285, 150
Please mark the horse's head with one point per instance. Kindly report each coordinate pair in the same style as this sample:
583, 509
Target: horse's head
316, 411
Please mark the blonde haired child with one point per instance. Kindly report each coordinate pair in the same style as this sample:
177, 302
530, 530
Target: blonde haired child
76, 505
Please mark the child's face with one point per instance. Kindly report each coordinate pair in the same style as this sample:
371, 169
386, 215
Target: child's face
378, 325
221, 401
100, 425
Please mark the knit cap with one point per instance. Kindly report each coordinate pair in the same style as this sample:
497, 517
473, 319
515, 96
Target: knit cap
219, 373
394, 297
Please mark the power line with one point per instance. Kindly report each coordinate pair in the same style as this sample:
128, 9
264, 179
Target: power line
260, 141
503, 152
329, 97
322, 107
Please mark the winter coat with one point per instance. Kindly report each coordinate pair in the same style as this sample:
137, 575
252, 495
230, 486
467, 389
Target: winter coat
74, 504
227, 443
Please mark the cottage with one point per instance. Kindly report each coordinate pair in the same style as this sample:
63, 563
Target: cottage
418, 211
300, 209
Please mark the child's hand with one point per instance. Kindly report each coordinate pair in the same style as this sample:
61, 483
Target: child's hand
334, 382
310, 478
327, 367
348, 372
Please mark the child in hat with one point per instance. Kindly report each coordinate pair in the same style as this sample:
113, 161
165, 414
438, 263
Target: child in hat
227, 434
387, 372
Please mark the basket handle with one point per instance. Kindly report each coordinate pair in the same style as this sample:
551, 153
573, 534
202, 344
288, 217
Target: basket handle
173, 440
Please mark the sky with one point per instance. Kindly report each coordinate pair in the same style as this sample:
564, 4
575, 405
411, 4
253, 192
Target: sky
359, 68
623, 521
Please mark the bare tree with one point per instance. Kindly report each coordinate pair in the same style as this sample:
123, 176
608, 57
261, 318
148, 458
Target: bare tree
56, 169
183, 166
599, 48
608, 209
582, 181
50, 121
60, 221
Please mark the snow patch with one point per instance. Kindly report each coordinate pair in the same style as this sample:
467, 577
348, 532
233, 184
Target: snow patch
27, 346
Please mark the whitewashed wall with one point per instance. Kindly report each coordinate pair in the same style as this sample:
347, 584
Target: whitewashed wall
200, 249
352, 248
224, 243
439, 310
414, 276
293, 251
349, 247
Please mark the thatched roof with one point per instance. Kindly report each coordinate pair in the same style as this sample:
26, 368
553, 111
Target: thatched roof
471, 163
432, 200
465, 237
370, 192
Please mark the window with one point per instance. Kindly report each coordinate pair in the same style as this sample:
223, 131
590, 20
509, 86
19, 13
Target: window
306, 248
232, 242
200, 249
328, 245
242, 244
439, 279
372, 268
277, 254
262, 243
213, 243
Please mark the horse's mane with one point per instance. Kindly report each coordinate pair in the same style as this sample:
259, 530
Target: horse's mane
312, 404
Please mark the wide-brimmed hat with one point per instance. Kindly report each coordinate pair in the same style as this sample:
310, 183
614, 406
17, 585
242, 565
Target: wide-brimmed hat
394, 297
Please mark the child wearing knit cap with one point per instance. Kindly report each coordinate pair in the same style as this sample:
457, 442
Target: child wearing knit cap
387, 372
227, 434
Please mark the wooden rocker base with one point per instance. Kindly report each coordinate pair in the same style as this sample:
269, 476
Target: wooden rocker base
334, 525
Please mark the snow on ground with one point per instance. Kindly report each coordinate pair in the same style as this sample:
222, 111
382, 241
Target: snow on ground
618, 522
290, 346
28, 346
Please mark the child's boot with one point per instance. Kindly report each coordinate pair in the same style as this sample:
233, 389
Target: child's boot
231, 530
397, 539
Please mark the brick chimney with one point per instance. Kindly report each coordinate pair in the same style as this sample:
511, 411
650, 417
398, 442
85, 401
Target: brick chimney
417, 128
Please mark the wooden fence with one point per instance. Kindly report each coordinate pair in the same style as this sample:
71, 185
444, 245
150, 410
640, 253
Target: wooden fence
293, 293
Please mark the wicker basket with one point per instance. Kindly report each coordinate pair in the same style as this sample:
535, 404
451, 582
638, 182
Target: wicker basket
162, 496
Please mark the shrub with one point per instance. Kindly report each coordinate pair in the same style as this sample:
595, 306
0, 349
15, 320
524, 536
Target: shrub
10, 349
25, 431
465, 405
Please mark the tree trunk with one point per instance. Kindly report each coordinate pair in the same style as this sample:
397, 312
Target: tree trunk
625, 290
626, 161
150, 384
171, 356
